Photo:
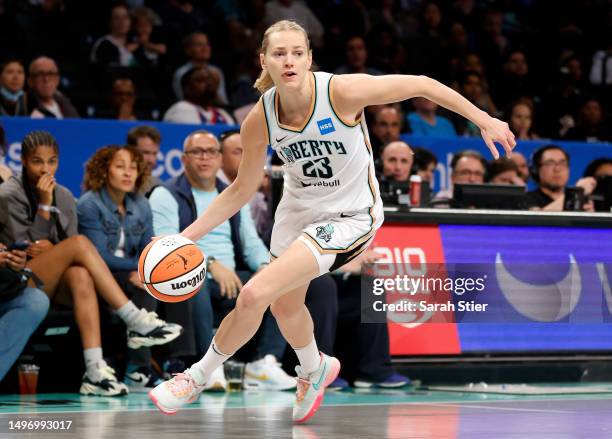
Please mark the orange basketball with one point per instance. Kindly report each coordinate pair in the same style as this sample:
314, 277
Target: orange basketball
172, 268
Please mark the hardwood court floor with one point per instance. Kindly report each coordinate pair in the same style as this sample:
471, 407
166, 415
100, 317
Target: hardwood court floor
351, 414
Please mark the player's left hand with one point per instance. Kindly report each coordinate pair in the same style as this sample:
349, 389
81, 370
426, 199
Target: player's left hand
495, 130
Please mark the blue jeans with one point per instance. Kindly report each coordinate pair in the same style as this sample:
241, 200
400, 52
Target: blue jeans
269, 338
19, 318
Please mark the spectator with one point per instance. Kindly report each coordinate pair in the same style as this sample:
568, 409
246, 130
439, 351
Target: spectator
197, 107
243, 95
48, 101
234, 252
20, 312
591, 126
601, 167
147, 46
549, 168
504, 171
396, 161
122, 101
115, 49
472, 87
515, 81
34, 208
147, 140
366, 345
13, 98
5, 171
424, 120
386, 127
467, 167
390, 14
114, 179
520, 119
521, 163
425, 163
277, 10
601, 65
356, 58
198, 51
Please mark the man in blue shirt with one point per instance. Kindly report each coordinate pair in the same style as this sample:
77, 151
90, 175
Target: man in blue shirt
424, 120
234, 252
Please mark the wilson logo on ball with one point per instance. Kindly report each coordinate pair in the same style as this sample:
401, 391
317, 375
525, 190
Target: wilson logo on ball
197, 279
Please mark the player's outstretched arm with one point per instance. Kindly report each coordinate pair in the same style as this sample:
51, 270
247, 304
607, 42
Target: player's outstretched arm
354, 92
250, 174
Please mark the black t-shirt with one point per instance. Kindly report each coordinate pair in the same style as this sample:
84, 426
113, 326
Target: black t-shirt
537, 198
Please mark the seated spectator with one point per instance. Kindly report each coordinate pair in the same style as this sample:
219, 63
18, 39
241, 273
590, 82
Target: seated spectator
363, 348
147, 47
234, 252
277, 10
601, 66
591, 125
21, 311
396, 159
5, 171
356, 58
386, 127
521, 163
504, 171
114, 179
198, 51
424, 164
197, 107
424, 120
601, 167
520, 119
47, 100
467, 167
243, 95
515, 81
549, 168
472, 87
146, 139
231, 150
122, 102
34, 208
115, 49
13, 98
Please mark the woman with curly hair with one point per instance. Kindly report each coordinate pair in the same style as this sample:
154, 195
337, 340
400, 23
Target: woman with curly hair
118, 221
35, 209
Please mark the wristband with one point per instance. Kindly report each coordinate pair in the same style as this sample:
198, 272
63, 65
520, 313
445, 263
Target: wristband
47, 208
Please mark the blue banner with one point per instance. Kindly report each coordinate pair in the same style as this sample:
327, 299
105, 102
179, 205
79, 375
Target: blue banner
79, 138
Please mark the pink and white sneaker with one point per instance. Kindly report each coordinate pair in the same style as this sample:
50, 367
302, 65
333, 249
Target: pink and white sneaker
311, 387
178, 391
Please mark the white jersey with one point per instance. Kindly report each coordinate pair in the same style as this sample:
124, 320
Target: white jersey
328, 162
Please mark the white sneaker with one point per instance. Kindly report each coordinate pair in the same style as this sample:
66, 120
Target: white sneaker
311, 387
173, 394
267, 374
102, 382
150, 330
217, 381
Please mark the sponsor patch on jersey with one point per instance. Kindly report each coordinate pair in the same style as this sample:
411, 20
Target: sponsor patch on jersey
326, 126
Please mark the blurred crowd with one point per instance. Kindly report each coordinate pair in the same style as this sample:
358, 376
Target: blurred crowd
548, 73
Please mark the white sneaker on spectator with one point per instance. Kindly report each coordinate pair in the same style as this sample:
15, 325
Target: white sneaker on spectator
267, 374
101, 381
150, 330
217, 381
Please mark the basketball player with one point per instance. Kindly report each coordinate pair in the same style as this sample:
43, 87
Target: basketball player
330, 209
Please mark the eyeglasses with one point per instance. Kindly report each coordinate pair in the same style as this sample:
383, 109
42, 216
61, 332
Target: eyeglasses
554, 164
200, 153
469, 172
48, 74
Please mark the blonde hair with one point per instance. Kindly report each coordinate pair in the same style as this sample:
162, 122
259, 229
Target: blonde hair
264, 82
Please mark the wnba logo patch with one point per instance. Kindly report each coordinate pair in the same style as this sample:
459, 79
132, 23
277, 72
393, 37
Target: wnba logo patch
326, 126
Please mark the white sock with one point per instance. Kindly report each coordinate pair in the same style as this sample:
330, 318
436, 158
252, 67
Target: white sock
309, 357
129, 313
93, 357
203, 369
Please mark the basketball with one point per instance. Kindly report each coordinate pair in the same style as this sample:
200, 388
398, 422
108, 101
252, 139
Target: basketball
172, 268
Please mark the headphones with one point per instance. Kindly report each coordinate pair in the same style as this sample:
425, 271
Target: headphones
536, 159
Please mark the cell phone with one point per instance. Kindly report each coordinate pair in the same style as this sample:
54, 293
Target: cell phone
574, 199
19, 245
